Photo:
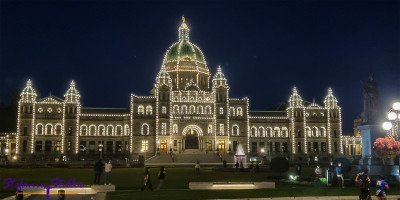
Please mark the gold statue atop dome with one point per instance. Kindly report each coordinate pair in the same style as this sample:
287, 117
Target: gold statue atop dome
183, 19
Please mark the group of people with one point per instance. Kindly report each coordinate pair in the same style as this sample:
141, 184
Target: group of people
331, 172
98, 170
363, 180
147, 180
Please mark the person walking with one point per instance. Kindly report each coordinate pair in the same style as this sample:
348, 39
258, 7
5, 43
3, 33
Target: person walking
98, 169
107, 169
339, 175
147, 181
381, 187
318, 171
237, 166
197, 167
161, 177
362, 179
298, 169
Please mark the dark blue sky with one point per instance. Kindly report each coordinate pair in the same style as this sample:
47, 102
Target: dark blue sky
112, 49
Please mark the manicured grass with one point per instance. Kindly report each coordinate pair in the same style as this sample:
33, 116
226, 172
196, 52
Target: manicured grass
129, 180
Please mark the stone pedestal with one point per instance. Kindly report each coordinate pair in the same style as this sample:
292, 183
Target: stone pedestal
376, 166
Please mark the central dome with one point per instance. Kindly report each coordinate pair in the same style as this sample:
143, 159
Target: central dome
185, 63
184, 50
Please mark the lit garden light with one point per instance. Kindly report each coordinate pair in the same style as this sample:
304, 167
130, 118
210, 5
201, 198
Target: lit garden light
393, 117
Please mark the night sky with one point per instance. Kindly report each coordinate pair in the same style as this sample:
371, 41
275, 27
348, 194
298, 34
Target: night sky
112, 49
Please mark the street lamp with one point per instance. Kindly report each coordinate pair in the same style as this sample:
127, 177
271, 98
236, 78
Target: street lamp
101, 149
392, 126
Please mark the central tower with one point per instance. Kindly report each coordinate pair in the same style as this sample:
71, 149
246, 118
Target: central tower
185, 63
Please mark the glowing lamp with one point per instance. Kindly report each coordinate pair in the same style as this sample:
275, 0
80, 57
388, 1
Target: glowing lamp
387, 126
396, 106
392, 116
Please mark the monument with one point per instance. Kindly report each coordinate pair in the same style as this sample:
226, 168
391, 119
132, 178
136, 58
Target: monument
240, 156
370, 131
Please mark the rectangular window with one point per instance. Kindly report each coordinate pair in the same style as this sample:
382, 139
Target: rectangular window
118, 146
285, 147
70, 130
221, 129
164, 110
25, 130
323, 146
235, 144
163, 128
277, 147
38, 146
221, 111
69, 145
47, 146
24, 146
254, 147
262, 147
309, 147
145, 146
335, 147
334, 133
82, 146
126, 146
110, 146
57, 147
315, 146
92, 146
299, 147
175, 145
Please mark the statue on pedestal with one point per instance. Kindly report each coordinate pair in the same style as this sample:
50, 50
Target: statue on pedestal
371, 101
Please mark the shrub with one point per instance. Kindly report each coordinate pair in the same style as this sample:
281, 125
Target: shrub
279, 165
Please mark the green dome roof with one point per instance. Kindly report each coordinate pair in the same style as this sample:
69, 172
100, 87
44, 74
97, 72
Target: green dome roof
183, 49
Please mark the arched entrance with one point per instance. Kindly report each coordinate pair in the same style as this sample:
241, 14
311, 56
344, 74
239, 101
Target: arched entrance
192, 133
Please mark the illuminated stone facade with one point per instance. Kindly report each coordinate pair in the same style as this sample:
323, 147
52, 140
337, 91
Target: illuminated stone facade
188, 109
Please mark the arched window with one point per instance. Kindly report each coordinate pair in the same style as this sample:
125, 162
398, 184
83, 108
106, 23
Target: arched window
92, 130
175, 129
140, 110
315, 132
39, 129
308, 131
208, 110
110, 130
83, 130
145, 129
284, 132
176, 109
49, 129
232, 111
239, 111
184, 109
102, 130
277, 132
235, 130
118, 132
149, 110
192, 109
269, 132
323, 132
126, 129
199, 109
261, 132
58, 129
253, 132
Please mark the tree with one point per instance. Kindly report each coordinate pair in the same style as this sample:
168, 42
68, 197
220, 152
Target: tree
279, 165
8, 113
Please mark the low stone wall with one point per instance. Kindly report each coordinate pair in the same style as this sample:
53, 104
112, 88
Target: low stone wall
230, 185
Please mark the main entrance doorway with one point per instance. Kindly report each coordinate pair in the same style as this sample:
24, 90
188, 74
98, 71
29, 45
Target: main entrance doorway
163, 148
191, 140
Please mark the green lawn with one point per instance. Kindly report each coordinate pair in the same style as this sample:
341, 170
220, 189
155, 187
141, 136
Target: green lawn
129, 180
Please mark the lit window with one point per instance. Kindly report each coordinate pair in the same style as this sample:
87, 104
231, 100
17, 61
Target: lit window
221, 129
145, 145
221, 111
164, 110
149, 110
140, 110
239, 111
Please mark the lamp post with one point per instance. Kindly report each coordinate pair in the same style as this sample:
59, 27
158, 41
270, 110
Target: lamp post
392, 126
101, 149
